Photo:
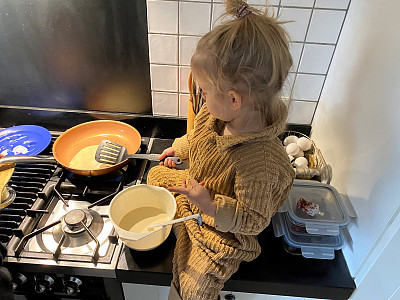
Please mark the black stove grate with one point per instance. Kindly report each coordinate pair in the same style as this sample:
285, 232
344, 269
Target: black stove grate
28, 180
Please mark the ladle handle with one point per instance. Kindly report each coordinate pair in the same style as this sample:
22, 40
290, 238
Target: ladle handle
195, 216
137, 236
28, 159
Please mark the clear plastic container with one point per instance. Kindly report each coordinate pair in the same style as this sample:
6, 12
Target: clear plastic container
335, 210
312, 246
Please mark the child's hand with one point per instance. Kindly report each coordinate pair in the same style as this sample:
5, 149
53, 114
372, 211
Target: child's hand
167, 162
197, 195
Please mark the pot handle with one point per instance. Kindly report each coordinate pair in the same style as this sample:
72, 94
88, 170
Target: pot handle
126, 235
28, 159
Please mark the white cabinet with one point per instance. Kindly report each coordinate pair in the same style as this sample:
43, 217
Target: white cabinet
245, 296
251, 296
133, 291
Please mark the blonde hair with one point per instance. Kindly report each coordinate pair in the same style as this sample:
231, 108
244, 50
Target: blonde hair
248, 54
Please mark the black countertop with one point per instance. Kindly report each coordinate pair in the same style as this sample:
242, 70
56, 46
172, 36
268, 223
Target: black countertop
275, 271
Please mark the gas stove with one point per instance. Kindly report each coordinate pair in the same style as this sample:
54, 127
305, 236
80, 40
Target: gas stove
59, 238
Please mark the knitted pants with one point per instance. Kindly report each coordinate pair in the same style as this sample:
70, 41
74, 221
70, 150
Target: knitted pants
204, 258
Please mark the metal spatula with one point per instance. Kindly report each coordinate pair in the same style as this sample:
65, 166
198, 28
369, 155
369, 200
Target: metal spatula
112, 153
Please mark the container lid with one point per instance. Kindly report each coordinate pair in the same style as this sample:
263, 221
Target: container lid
331, 213
312, 246
294, 227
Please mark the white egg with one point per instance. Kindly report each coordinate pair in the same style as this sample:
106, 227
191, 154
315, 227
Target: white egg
290, 139
291, 158
304, 143
301, 161
302, 169
299, 154
292, 149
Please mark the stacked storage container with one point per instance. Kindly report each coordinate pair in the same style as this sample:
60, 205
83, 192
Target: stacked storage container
318, 235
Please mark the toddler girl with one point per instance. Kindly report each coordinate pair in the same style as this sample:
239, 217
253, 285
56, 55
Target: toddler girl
239, 173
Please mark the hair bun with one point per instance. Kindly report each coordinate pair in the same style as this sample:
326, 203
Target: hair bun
233, 5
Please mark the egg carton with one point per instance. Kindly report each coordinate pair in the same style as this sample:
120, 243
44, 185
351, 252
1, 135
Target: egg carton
317, 168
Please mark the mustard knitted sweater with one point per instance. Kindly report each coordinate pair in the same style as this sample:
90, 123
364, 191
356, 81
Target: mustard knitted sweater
249, 175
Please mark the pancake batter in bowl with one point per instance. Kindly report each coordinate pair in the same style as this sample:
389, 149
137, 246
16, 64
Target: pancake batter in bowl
139, 219
85, 160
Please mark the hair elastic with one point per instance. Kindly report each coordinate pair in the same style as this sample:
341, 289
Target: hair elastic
242, 10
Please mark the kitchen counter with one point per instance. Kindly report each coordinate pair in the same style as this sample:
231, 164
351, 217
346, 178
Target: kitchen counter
274, 272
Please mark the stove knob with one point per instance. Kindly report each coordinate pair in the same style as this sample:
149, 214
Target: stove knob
71, 285
43, 283
18, 280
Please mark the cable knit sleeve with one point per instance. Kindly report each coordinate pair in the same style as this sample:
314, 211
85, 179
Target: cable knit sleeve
181, 146
256, 201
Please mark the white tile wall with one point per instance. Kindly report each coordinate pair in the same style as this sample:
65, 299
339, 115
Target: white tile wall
295, 50
183, 79
164, 78
307, 87
194, 18
301, 111
165, 103
175, 26
288, 86
343, 4
316, 58
187, 45
162, 16
183, 104
298, 19
300, 3
218, 10
163, 49
325, 26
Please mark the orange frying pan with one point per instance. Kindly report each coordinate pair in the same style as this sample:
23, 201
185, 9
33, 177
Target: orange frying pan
70, 142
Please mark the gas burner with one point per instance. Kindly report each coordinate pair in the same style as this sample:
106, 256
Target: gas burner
76, 220
76, 229
75, 225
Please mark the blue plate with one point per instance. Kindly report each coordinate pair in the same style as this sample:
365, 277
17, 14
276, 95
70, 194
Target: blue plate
24, 140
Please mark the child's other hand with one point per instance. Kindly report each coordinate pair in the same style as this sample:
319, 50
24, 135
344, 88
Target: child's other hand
167, 161
197, 195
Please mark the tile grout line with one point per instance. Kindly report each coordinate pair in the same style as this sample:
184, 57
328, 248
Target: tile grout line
330, 62
178, 57
301, 57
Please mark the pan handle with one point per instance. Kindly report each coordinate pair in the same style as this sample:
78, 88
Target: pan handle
28, 159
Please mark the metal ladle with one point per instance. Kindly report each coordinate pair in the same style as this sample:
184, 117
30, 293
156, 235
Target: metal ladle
153, 227
162, 224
